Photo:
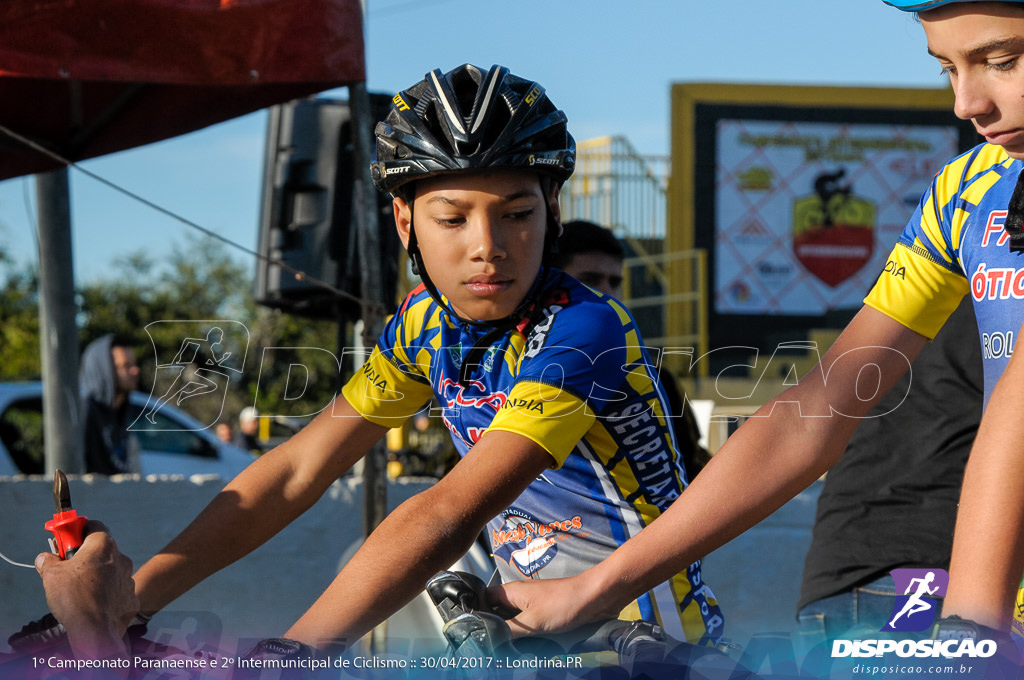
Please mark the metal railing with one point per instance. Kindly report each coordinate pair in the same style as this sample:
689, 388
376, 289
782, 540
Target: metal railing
618, 188
694, 262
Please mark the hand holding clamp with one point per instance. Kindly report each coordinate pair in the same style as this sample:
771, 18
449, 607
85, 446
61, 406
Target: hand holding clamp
67, 525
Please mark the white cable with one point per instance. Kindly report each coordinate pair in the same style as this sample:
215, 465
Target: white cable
7, 559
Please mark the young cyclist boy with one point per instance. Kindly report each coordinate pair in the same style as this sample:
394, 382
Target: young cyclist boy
964, 238
543, 383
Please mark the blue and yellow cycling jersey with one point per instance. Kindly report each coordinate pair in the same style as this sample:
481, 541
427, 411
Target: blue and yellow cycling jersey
955, 244
581, 385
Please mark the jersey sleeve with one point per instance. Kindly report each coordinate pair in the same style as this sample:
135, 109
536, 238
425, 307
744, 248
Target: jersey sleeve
553, 418
393, 385
923, 281
916, 291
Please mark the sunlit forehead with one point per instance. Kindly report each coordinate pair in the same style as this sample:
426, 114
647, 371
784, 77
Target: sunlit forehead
465, 189
1004, 45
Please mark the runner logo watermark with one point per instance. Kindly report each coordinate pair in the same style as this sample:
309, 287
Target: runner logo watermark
206, 355
915, 610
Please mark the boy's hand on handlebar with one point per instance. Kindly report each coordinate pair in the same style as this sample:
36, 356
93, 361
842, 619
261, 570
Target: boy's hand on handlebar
548, 606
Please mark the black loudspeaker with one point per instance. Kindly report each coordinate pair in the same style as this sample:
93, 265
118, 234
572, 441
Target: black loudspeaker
306, 212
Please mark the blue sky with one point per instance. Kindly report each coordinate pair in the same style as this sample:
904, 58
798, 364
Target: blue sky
609, 65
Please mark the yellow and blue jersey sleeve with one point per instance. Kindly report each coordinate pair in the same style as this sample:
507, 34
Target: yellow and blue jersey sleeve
566, 377
923, 280
553, 418
915, 291
393, 384
384, 391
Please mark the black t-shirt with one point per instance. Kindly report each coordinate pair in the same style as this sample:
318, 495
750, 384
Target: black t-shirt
890, 502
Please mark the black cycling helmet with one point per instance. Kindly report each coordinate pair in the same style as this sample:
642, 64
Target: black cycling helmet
469, 119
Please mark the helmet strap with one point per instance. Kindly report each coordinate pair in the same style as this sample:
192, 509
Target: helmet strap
554, 227
420, 269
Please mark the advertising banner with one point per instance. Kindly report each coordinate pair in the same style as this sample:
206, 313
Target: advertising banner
797, 195
806, 212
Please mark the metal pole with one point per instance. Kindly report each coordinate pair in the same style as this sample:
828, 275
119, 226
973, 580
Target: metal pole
372, 286
371, 280
58, 343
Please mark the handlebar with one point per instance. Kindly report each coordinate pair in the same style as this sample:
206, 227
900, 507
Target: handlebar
458, 592
470, 618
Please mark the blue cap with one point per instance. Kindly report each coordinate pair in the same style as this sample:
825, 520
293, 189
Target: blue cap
923, 5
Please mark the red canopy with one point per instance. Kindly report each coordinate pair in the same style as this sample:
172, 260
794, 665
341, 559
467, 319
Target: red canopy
89, 77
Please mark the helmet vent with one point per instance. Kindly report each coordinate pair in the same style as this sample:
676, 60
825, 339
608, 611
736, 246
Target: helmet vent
469, 119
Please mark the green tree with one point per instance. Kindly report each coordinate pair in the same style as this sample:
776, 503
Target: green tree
289, 366
201, 281
19, 321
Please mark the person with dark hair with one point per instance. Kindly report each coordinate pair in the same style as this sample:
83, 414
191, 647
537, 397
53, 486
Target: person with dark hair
593, 256
560, 472
107, 375
223, 431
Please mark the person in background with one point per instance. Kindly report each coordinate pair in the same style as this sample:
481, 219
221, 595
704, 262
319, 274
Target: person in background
107, 375
247, 436
593, 256
224, 432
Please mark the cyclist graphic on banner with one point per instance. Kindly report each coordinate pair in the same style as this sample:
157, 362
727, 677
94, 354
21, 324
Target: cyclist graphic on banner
833, 230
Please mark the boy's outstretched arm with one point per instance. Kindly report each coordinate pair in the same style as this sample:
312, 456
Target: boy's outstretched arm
269, 494
788, 444
988, 546
421, 537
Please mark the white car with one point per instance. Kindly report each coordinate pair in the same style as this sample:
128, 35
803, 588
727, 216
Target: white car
175, 444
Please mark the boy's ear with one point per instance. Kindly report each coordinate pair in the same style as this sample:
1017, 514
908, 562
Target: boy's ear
403, 219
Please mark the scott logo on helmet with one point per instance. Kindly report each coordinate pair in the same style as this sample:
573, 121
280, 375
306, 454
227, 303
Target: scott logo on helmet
537, 160
533, 95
